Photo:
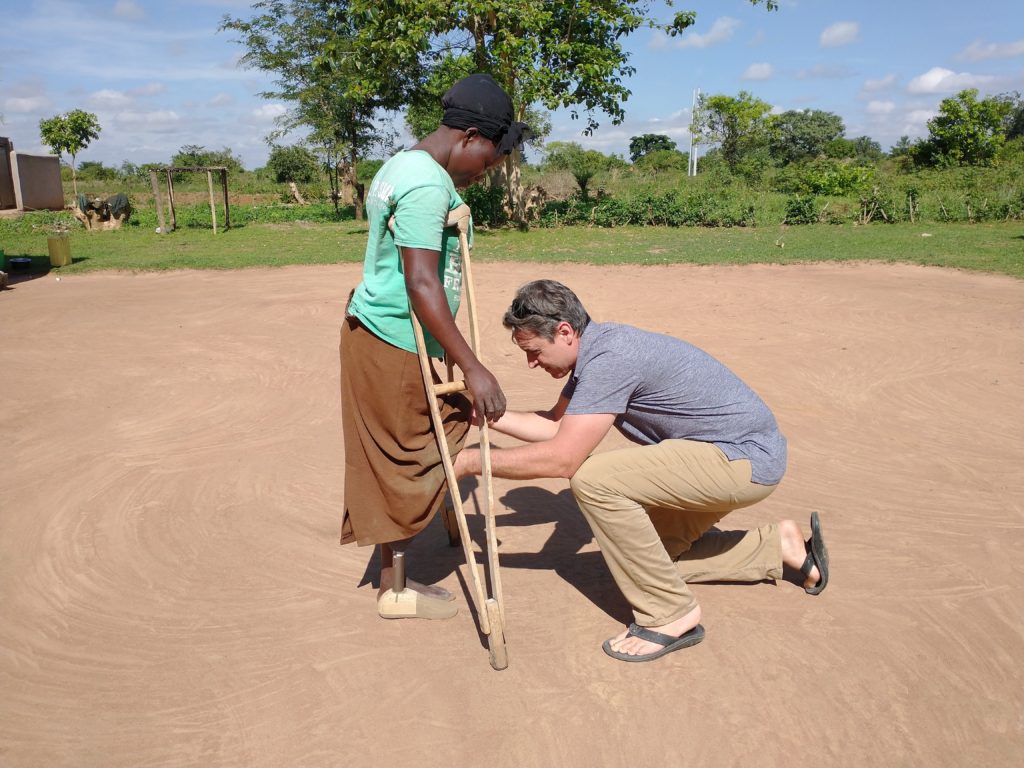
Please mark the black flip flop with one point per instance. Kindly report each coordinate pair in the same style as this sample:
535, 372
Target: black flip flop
668, 642
817, 555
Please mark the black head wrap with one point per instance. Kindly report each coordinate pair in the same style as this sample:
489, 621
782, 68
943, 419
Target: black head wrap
479, 102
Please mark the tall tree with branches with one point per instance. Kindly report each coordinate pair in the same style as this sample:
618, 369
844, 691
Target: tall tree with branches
337, 95
563, 53
70, 133
736, 123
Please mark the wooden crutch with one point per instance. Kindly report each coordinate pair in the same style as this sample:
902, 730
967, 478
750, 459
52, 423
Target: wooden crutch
489, 610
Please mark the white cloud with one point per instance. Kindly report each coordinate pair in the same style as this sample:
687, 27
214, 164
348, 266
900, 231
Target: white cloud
149, 89
25, 103
759, 71
127, 9
658, 41
269, 111
221, 100
881, 84
109, 98
941, 80
916, 122
880, 107
159, 121
839, 34
978, 51
721, 30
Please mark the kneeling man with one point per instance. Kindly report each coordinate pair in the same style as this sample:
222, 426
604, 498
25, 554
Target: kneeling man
706, 444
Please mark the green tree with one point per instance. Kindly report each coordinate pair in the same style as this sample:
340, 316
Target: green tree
863, 149
94, 171
1015, 119
556, 54
663, 160
967, 130
902, 147
295, 163
798, 135
582, 163
334, 88
647, 143
70, 133
128, 170
194, 155
736, 123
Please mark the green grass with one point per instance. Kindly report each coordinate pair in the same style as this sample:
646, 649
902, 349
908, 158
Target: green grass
990, 247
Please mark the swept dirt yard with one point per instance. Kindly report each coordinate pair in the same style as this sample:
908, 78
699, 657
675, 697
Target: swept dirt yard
174, 594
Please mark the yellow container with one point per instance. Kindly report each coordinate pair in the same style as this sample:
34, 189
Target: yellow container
60, 251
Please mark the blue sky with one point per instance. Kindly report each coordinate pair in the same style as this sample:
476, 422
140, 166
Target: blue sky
159, 75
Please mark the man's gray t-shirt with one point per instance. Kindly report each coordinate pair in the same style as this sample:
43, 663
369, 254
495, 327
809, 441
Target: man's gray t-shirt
662, 388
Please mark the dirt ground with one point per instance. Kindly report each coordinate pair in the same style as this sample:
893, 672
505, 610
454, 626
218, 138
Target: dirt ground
173, 591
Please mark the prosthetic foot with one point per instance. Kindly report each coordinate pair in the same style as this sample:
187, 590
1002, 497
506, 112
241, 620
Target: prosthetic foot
402, 603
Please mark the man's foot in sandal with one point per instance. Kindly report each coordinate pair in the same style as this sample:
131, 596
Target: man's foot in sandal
809, 557
648, 643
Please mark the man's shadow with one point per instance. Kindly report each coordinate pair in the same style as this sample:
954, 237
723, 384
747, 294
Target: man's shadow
431, 559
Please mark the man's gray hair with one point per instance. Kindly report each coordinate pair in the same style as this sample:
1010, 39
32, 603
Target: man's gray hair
540, 305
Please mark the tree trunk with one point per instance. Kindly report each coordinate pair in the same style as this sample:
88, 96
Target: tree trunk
357, 188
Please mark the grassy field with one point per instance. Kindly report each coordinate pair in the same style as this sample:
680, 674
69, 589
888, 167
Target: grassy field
990, 247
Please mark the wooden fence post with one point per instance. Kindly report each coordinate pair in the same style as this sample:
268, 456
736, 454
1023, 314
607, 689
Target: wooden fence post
156, 200
213, 207
224, 185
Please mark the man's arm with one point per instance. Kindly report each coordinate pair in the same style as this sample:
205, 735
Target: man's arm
532, 426
560, 456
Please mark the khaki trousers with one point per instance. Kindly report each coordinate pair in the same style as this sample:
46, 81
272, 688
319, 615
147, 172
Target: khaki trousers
651, 509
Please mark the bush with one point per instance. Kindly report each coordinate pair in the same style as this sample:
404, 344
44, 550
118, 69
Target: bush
295, 163
487, 204
824, 177
701, 208
801, 210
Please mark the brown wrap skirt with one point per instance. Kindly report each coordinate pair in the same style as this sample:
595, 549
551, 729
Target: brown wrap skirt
394, 479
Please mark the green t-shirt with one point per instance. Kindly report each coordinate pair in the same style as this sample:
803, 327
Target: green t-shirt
419, 193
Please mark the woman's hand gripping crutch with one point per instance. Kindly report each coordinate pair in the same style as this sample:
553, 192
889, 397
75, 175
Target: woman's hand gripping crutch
490, 610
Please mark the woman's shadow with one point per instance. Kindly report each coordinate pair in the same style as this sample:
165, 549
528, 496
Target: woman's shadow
431, 559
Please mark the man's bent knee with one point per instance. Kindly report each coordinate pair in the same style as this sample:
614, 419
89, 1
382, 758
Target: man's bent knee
586, 481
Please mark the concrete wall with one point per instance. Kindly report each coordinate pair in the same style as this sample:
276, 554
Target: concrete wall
37, 182
7, 199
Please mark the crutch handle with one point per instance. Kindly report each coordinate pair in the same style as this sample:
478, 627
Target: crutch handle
459, 218
449, 386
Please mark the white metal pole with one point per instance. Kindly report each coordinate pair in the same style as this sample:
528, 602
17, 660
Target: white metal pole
692, 165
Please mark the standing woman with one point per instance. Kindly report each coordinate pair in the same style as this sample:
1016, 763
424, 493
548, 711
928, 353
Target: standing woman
394, 479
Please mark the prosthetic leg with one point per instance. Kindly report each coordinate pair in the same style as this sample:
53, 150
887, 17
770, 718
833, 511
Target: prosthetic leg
489, 610
399, 602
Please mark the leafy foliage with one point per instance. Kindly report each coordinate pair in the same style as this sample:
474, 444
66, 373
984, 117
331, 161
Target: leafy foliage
192, 155
736, 123
663, 160
334, 87
862, 150
89, 170
967, 130
802, 134
639, 146
583, 164
71, 133
295, 163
